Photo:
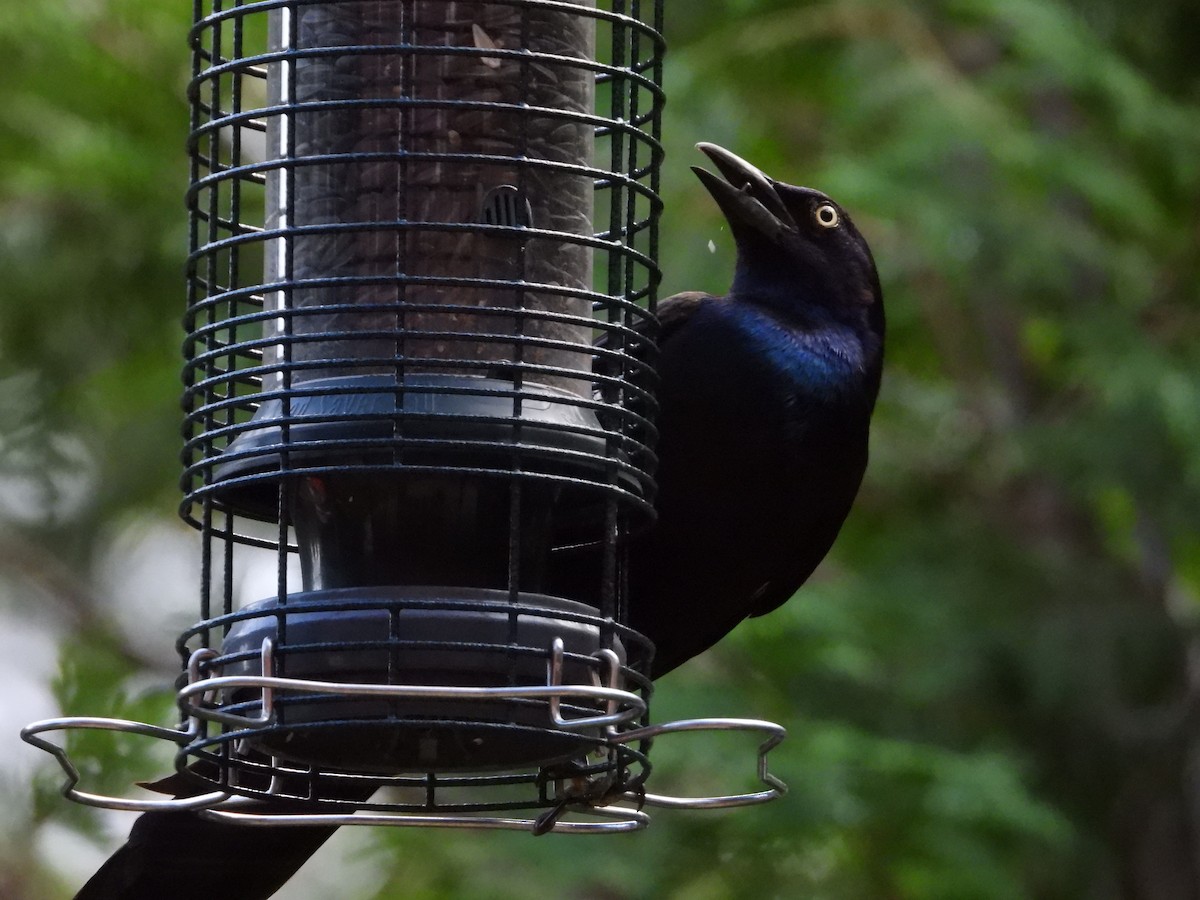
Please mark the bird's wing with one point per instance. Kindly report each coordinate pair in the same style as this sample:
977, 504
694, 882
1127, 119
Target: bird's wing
798, 562
677, 309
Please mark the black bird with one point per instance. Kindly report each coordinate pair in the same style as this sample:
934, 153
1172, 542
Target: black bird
765, 400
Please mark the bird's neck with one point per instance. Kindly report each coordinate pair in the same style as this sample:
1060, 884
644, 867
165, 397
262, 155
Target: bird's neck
802, 315
781, 289
810, 343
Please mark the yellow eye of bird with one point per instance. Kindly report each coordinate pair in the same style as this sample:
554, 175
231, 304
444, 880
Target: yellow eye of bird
827, 216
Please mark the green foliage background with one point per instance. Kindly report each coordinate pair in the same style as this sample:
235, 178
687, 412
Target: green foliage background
991, 686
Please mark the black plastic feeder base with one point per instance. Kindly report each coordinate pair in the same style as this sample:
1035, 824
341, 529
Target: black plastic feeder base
429, 638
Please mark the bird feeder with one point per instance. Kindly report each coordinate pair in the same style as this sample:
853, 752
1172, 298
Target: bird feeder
419, 361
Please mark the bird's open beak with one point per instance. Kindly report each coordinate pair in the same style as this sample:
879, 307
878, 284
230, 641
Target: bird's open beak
747, 197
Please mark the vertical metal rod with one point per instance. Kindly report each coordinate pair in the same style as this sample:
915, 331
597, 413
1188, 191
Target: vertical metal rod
189, 378
287, 136
655, 170
632, 195
206, 562
403, 214
228, 543
514, 571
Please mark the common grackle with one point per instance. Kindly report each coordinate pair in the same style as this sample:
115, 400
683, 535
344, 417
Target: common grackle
765, 402
765, 398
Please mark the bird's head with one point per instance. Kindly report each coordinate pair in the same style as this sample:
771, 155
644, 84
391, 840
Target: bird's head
797, 249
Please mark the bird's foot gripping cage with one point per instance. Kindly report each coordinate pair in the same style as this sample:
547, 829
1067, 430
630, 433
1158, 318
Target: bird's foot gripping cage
419, 377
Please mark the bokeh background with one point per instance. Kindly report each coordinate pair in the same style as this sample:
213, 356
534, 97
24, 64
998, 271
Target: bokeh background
991, 686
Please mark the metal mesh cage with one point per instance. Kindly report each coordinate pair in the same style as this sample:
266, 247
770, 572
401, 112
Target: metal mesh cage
409, 219
419, 361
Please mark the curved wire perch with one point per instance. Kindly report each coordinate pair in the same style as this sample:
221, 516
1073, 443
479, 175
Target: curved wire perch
229, 806
30, 733
775, 787
621, 707
635, 705
177, 736
624, 819
615, 698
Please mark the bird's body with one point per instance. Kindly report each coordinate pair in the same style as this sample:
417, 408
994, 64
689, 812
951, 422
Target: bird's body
763, 446
765, 402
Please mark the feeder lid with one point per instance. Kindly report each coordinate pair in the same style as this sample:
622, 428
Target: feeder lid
449, 422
